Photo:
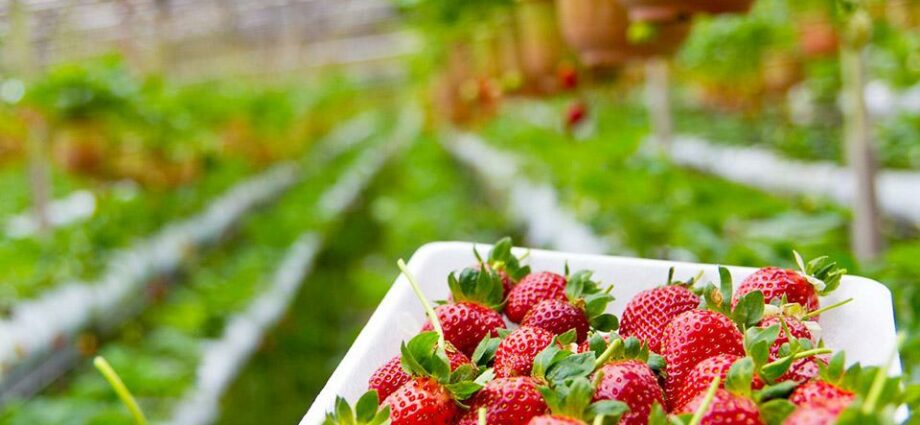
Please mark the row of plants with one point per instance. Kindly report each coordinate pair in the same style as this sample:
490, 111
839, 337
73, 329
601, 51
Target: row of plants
236, 119
423, 196
773, 76
651, 208
158, 352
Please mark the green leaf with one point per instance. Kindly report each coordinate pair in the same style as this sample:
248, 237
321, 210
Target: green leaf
656, 363
547, 357
757, 342
657, 416
611, 410
740, 376
774, 412
421, 357
366, 407
605, 322
779, 390
572, 366
775, 369
485, 351
566, 337
463, 390
597, 343
485, 377
749, 309
725, 288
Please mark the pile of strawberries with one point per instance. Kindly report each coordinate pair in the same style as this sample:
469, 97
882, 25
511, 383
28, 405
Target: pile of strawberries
681, 353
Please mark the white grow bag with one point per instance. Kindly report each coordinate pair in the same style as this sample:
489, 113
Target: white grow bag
399, 316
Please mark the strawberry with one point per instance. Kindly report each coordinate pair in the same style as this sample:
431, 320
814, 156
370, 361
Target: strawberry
803, 370
725, 408
633, 382
504, 263
516, 352
692, 337
433, 393
422, 400
568, 76
702, 375
365, 412
508, 401
575, 114
571, 403
391, 375
825, 413
647, 314
472, 315
818, 277
583, 308
819, 391
796, 327
532, 289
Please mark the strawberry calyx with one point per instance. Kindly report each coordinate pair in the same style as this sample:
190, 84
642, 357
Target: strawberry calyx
747, 312
555, 364
821, 272
572, 399
481, 286
423, 356
367, 411
500, 259
689, 283
484, 354
587, 295
630, 348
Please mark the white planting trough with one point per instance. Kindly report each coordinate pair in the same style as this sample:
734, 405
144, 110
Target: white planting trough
399, 316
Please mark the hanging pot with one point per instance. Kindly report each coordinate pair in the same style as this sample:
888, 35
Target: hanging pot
673, 10
540, 44
595, 30
665, 40
817, 36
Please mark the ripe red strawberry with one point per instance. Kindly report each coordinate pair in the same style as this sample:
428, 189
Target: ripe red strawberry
692, 337
532, 289
795, 326
389, 377
633, 382
575, 114
825, 413
568, 76
555, 420
516, 352
466, 323
726, 409
649, 312
802, 370
819, 391
421, 401
472, 315
557, 317
508, 401
584, 307
819, 277
701, 376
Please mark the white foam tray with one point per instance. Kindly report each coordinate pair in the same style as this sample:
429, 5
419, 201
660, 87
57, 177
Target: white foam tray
399, 316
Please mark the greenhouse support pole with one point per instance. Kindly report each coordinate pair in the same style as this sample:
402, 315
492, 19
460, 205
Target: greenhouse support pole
658, 99
865, 238
39, 183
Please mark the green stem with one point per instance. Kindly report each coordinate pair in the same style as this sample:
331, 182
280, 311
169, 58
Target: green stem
602, 359
598, 420
435, 323
878, 383
120, 389
704, 406
482, 416
801, 355
828, 308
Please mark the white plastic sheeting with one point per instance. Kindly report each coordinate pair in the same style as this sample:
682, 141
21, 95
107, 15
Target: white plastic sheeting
898, 191
34, 326
73, 208
223, 358
536, 205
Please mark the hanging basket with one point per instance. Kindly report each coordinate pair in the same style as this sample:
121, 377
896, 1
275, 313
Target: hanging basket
540, 44
595, 30
667, 38
675, 10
